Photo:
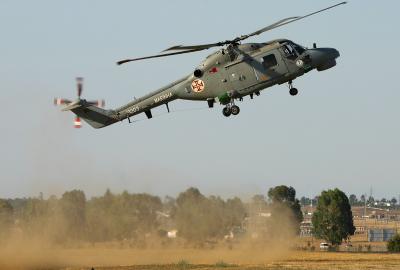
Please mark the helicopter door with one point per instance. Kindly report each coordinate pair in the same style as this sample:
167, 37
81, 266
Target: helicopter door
270, 67
241, 75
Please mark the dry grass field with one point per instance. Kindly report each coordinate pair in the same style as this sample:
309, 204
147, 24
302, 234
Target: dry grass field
124, 259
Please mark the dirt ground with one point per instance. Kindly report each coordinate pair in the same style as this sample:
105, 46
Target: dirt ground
124, 259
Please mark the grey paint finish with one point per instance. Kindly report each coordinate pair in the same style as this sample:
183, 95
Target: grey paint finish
222, 75
228, 74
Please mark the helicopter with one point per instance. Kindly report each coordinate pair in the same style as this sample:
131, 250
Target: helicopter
234, 71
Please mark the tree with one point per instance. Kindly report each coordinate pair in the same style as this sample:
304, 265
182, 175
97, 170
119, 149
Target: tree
194, 216
34, 217
305, 201
6, 217
393, 201
333, 219
371, 200
169, 204
286, 214
234, 213
199, 218
73, 208
258, 203
362, 198
122, 216
393, 244
286, 196
353, 199
282, 194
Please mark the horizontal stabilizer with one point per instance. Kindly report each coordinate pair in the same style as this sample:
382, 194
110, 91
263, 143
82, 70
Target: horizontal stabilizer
93, 115
72, 105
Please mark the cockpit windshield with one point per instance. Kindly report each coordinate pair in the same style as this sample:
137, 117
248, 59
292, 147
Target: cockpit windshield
298, 48
289, 51
292, 50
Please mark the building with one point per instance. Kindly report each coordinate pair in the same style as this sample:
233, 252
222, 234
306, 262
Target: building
380, 235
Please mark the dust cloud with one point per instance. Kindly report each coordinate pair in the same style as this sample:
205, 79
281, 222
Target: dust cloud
130, 229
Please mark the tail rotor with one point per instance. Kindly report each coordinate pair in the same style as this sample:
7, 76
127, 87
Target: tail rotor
63, 101
77, 122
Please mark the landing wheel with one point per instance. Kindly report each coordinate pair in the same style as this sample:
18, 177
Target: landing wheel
293, 91
235, 110
226, 111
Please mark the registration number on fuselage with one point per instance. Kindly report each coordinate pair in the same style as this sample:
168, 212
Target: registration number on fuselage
133, 110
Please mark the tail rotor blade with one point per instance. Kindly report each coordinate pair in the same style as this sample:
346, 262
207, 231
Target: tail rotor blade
77, 122
61, 101
79, 82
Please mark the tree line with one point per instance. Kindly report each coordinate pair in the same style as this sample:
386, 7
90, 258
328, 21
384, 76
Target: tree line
138, 217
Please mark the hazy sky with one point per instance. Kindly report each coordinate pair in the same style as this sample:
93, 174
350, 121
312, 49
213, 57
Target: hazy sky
342, 130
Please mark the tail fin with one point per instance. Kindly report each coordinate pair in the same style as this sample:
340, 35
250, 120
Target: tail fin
94, 116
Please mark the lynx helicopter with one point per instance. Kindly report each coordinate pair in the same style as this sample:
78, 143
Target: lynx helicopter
234, 71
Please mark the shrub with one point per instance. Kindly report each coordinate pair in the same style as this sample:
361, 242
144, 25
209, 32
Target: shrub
393, 244
222, 264
333, 248
183, 264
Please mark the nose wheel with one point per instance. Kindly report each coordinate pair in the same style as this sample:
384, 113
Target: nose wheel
292, 90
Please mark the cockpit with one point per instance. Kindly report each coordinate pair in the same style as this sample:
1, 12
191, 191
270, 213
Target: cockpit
292, 50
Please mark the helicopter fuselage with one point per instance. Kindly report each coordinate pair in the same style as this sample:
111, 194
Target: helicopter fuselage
236, 71
227, 75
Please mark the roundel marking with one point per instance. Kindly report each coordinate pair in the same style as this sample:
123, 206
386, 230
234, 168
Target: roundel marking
198, 85
299, 63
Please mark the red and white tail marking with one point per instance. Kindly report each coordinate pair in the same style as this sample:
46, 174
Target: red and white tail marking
58, 101
77, 122
101, 103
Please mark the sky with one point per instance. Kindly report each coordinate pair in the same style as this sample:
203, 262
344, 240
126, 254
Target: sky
342, 130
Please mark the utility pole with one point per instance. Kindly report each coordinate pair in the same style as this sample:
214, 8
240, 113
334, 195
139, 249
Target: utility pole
365, 206
365, 215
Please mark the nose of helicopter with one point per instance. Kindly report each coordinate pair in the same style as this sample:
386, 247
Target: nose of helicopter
323, 58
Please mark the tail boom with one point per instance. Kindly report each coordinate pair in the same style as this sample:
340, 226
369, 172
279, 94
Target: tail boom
94, 116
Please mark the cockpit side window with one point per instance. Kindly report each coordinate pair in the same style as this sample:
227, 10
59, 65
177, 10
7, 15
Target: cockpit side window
289, 51
269, 61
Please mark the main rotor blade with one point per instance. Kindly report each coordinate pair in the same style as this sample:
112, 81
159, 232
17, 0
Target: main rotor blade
222, 43
196, 47
243, 37
156, 56
267, 28
286, 21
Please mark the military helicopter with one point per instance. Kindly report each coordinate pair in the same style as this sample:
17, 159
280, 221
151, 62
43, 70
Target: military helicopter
225, 76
